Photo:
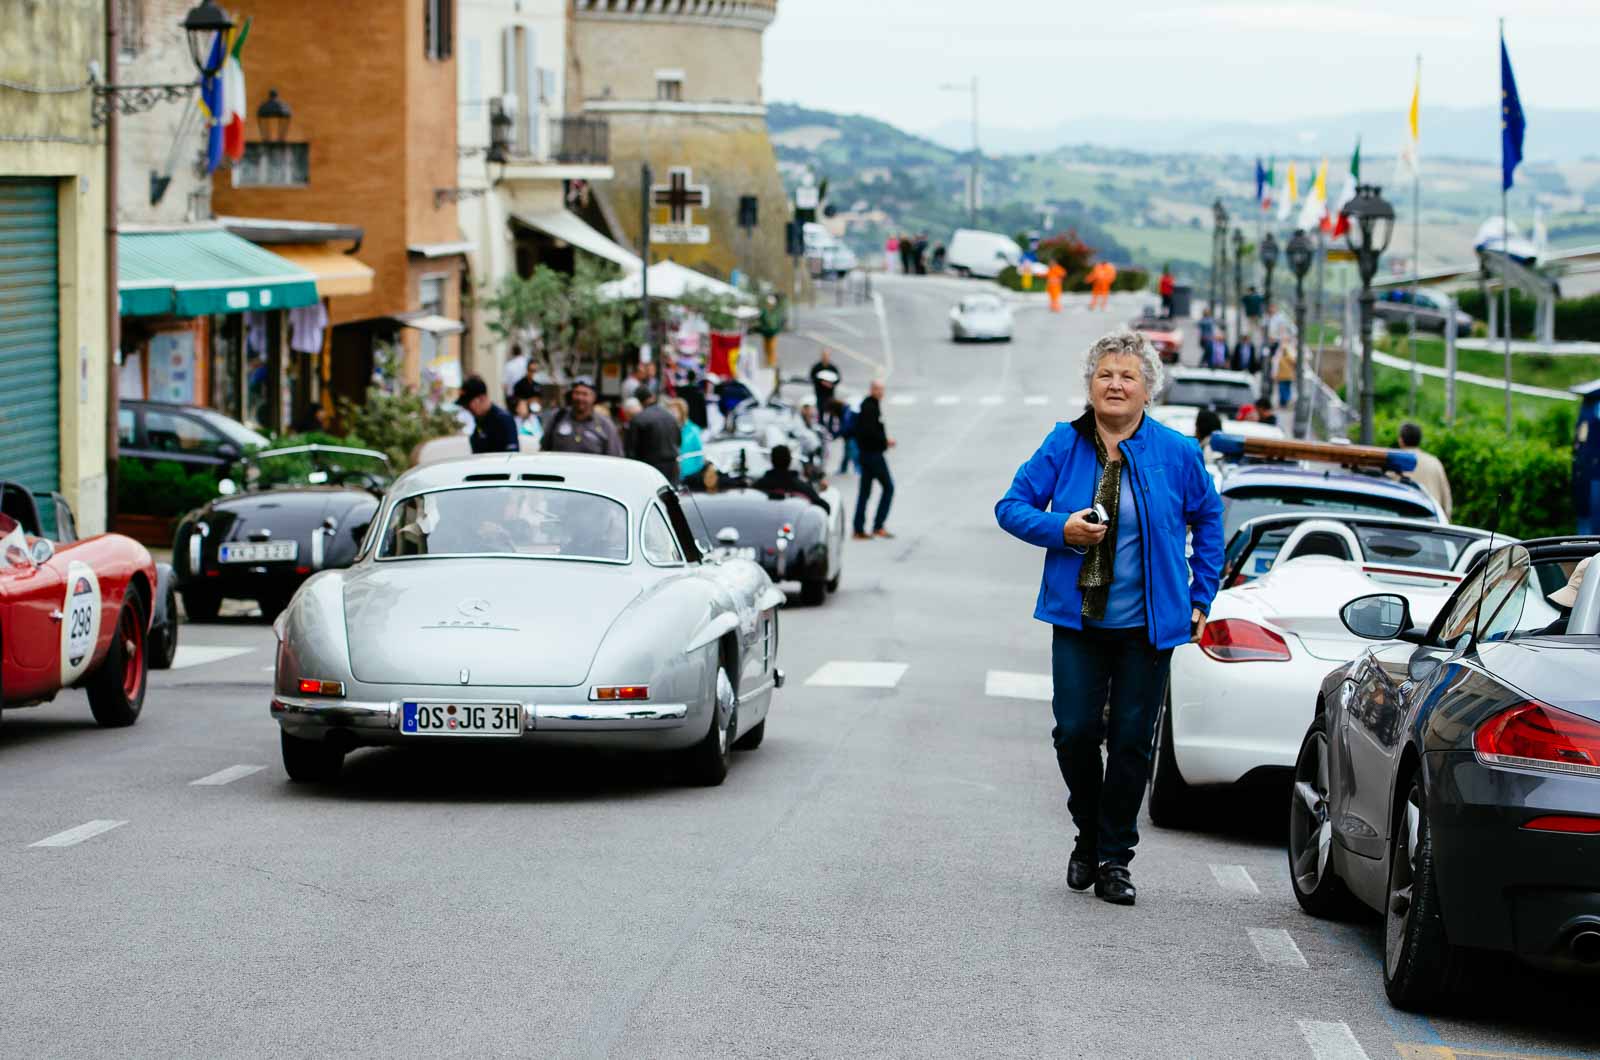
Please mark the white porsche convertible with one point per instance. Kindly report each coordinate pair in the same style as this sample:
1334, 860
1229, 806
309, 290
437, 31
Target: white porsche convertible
1239, 701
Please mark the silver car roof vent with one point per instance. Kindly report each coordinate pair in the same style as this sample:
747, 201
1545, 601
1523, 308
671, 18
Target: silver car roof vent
527, 477
499, 476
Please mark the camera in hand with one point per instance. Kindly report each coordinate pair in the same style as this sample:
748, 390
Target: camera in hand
1096, 515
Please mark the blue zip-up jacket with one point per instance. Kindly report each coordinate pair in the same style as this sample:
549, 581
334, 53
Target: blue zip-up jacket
1173, 493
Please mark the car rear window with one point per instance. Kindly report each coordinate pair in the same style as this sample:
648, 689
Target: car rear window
1246, 502
532, 521
1209, 393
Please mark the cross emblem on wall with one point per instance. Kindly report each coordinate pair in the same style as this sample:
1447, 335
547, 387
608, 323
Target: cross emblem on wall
678, 195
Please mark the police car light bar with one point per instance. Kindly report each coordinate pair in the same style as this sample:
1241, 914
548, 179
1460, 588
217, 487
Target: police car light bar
1286, 449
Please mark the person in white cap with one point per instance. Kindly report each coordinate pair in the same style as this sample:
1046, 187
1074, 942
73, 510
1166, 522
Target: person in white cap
1565, 598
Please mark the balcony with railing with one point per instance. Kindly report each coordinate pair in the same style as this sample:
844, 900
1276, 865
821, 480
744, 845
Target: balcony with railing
579, 141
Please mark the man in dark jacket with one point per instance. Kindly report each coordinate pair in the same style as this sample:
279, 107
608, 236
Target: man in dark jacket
653, 435
824, 378
874, 443
496, 429
577, 428
783, 478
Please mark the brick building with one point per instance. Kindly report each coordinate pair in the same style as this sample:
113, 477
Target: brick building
370, 151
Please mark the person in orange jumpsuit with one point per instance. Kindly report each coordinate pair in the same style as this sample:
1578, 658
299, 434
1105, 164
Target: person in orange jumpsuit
1101, 277
1052, 283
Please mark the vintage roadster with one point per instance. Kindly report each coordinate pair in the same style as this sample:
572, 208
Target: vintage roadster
545, 598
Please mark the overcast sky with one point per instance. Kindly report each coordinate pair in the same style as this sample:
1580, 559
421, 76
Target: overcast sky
1206, 59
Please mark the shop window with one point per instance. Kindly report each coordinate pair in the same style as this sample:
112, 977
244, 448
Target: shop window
669, 86
438, 28
273, 165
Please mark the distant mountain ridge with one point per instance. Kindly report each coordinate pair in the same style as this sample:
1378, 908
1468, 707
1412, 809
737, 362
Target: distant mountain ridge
1468, 133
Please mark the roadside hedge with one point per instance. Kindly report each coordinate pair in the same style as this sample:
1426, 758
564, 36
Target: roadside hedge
1128, 279
1577, 319
163, 489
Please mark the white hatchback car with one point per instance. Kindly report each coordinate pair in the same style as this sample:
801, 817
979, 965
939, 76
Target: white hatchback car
979, 318
1238, 702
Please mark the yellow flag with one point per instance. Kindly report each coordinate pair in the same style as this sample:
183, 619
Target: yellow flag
1316, 204
1290, 194
1410, 151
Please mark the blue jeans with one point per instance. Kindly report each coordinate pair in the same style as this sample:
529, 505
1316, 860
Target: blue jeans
1284, 388
874, 467
1092, 667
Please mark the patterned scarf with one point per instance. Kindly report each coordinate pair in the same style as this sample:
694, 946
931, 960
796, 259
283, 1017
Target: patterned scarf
1095, 576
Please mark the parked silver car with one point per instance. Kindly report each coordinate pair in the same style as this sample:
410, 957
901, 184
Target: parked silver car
547, 598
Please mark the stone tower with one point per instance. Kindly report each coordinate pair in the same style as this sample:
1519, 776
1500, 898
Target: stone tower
680, 83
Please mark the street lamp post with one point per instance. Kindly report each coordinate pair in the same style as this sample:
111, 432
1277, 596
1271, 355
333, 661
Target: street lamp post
1269, 261
1219, 250
273, 117
1300, 253
977, 156
1238, 284
1371, 225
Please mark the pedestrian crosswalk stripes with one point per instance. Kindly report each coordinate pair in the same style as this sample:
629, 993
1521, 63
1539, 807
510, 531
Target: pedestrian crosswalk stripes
1008, 684
1331, 1041
990, 399
73, 836
902, 399
1276, 946
986, 400
947, 399
845, 673
1036, 399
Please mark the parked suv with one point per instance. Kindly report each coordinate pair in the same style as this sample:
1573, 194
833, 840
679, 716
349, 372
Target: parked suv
198, 438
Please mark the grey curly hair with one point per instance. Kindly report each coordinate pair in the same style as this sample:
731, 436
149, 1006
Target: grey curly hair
1125, 342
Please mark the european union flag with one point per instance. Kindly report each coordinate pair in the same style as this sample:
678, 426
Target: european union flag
1512, 125
211, 106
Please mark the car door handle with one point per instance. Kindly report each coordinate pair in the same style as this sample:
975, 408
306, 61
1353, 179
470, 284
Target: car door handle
56, 615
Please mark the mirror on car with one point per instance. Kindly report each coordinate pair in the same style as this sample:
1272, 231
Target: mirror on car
1381, 616
41, 551
229, 451
728, 536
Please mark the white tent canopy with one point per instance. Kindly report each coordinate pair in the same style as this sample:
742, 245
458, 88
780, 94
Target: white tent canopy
669, 280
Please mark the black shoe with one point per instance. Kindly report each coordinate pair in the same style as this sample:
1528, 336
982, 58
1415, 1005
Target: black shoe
1080, 871
1115, 884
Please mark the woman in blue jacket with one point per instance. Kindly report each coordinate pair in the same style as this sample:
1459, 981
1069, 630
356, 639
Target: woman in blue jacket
1120, 594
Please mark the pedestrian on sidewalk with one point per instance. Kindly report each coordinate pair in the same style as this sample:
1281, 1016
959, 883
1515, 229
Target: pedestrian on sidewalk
1245, 357
1252, 303
1429, 473
824, 378
1117, 591
493, 428
1207, 330
578, 427
873, 441
654, 434
840, 423
906, 267
891, 252
1284, 373
1165, 288
691, 443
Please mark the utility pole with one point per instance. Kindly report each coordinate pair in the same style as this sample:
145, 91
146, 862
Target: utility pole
113, 304
644, 264
977, 154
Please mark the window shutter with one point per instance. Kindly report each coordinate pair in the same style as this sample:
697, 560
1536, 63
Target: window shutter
530, 88
508, 83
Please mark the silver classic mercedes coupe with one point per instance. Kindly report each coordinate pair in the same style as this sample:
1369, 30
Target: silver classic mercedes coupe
546, 598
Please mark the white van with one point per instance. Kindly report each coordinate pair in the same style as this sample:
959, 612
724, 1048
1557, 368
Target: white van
976, 253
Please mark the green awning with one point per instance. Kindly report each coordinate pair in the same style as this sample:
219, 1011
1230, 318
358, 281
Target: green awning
201, 272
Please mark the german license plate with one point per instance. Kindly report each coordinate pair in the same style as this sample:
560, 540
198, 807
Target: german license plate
260, 552
461, 719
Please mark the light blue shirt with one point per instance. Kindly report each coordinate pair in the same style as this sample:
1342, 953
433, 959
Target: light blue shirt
1125, 604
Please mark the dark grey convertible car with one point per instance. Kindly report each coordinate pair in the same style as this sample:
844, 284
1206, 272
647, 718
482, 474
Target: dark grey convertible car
1451, 778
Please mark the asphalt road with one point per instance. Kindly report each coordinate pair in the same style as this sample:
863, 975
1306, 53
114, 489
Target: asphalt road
883, 877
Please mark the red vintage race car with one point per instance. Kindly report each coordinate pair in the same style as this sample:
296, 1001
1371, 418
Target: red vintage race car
77, 615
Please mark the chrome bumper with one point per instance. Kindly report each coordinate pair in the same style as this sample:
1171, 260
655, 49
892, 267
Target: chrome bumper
599, 717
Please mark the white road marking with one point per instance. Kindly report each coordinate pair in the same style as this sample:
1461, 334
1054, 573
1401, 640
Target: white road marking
201, 654
1013, 685
1036, 399
883, 335
835, 322
1331, 1041
1276, 947
1235, 878
990, 399
225, 776
843, 673
73, 836
902, 399
947, 399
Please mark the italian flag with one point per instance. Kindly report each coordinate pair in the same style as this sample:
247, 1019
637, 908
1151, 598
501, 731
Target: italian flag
1336, 216
233, 97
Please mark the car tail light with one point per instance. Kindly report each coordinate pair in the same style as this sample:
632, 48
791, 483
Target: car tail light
1235, 640
311, 686
1539, 736
1564, 822
610, 692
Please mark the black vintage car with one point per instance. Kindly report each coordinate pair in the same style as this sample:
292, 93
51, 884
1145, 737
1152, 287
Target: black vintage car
1450, 780
793, 538
302, 509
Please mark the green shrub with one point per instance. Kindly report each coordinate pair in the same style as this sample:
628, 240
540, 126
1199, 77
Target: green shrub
1577, 319
1131, 279
164, 489
1526, 482
1011, 280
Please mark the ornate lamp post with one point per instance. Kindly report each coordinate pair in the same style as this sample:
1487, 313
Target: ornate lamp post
203, 22
1219, 250
273, 118
1269, 261
1238, 284
1371, 226
1300, 255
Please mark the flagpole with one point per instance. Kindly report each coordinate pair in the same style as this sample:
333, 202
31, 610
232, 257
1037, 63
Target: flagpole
1416, 252
1505, 249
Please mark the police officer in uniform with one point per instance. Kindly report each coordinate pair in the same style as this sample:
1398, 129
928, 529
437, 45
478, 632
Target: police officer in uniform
576, 428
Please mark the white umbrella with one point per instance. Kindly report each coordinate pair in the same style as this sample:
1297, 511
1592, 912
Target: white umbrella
669, 281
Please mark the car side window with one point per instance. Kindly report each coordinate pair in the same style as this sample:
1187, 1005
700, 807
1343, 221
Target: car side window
1258, 560
657, 541
678, 518
172, 432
